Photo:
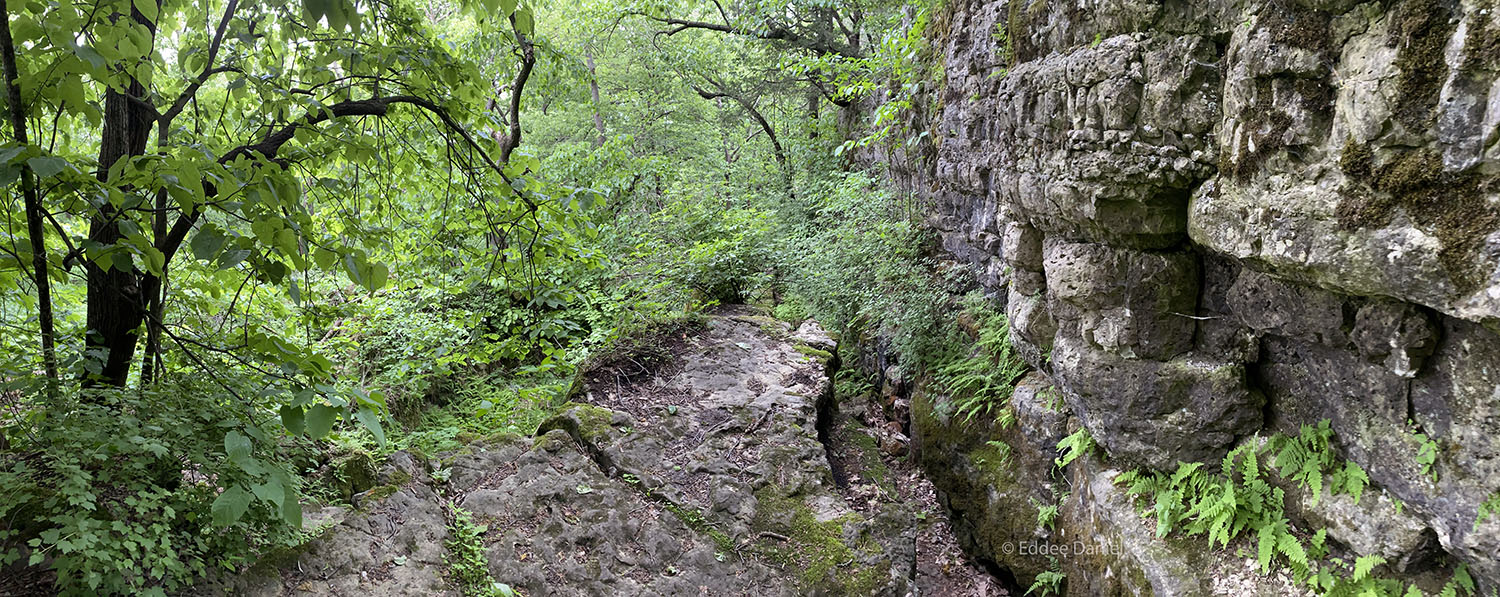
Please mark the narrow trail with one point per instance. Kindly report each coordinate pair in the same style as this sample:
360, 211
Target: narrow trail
728, 469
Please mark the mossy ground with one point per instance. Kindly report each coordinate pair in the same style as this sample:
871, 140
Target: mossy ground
826, 562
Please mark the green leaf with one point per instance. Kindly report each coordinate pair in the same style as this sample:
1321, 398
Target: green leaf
524, 23
237, 446
208, 242
147, 9
291, 507
371, 420
324, 258
320, 420
1364, 564
292, 419
230, 506
47, 166
271, 492
379, 273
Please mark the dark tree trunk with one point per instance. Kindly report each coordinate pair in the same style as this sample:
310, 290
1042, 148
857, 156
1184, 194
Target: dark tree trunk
32, 197
116, 299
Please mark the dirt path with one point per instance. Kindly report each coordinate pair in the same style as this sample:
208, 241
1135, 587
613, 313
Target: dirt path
716, 462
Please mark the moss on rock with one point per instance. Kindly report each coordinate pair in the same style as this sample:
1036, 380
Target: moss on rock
1447, 205
826, 560
823, 357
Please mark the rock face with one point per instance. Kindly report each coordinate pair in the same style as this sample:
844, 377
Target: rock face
709, 478
1209, 219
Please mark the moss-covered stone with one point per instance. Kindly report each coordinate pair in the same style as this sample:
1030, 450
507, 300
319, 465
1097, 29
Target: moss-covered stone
826, 560
823, 357
354, 473
1482, 44
1444, 204
585, 421
872, 466
1419, 29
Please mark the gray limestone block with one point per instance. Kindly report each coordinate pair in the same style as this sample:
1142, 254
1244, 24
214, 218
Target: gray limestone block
1155, 413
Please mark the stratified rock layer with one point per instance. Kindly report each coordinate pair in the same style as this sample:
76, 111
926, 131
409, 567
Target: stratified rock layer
1209, 219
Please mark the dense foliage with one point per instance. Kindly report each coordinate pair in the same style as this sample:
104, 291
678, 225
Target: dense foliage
252, 247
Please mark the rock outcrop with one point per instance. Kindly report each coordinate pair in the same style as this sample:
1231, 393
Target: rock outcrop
1212, 219
707, 477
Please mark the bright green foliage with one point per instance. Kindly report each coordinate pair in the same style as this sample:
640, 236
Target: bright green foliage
1223, 506
1046, 515
1488, 508
1049, 582
1074, 445
859, 261
116, 529
897, 71
1460, 584
1427, 453
1237, 501
1309, 459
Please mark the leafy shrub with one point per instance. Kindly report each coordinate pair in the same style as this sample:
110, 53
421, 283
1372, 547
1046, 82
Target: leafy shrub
725, 255
862, 259
140, 492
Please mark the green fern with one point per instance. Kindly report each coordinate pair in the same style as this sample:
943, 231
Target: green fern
981, 382
1223, 506
1309, 459
1048, 583
1461, 581
1073, 446
1487, 509
1046, 515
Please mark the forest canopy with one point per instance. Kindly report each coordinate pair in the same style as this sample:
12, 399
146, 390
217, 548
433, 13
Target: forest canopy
250, 248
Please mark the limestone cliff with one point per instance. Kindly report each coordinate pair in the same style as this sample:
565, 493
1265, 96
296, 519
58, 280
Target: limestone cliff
1213, 218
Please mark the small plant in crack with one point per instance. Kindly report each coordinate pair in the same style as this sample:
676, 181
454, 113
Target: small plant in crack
1071, 447
1046, 515
467, 565
1489, 508
1427, 451
1049, 582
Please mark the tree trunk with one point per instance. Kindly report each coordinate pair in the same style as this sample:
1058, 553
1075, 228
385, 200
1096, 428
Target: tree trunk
116, 299
787, 176
33, 201
588, 56
814, 110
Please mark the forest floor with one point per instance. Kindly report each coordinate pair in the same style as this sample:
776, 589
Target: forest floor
729, 468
